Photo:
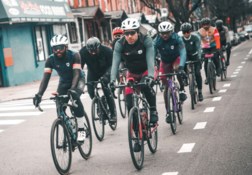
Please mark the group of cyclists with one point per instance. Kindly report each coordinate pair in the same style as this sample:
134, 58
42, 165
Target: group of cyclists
136, 52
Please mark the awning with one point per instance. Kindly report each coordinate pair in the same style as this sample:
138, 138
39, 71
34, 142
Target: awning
34, 11
88, 12
117, 14
144, 28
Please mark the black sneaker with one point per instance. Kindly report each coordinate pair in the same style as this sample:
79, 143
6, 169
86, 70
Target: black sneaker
137, 147
168, 118
218, 72
200, 96
182, 96
206, 82
112, 119
227, 63
153, 117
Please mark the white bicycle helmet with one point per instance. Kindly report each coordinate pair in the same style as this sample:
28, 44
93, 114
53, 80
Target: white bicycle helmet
59, 40
152, 33
130, 24
165, 27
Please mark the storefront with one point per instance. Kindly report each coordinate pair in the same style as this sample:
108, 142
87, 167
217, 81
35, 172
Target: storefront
26, 28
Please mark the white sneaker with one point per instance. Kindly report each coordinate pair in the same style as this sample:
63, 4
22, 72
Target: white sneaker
81, 136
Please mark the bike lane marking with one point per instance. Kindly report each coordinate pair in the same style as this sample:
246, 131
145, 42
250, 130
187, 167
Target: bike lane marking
10, 122
16, 114
200, 125
227, 85
222, 91
243, 62
25, 108
239, 67
1, 131
209, 109
232, 76
216, 98
170, 173
186, 148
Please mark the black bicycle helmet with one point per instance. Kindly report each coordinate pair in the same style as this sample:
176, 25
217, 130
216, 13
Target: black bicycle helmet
93, 44
205, 21
219, 23
186, 27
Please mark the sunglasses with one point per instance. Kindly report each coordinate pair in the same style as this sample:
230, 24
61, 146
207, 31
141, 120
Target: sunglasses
165, 33
127, 33
117, 36
184, 32
59, 47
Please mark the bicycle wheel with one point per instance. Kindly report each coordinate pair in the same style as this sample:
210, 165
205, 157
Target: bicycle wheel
152, 138
61, 147
210, 76
114, 124
97, 119
135, 135
86, 147
223, 62
170, 109
122, 102
192, 90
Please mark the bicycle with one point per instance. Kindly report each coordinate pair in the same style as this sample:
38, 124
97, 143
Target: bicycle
121, 93
63, 137
100, 111
192, 82
222, 63
211, 75
174, 105
139, 127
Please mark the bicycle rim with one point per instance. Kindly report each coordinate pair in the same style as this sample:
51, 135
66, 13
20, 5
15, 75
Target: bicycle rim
192, 91
122, 102
152, 138
61, 147
97, 119
85, 148
114, 124
179, 110
210, 77
135, 136
171, 112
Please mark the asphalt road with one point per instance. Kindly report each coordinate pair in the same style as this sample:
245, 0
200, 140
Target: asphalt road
215, 138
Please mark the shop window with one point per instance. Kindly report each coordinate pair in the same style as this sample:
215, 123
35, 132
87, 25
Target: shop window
73, 32
41, 43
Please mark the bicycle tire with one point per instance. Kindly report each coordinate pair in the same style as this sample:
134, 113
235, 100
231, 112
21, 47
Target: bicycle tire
179, 109
122, 102
210, 78
66, 146
152, 139
85, 148
114, 124
98, 119
137, 157
170, 109
192, 90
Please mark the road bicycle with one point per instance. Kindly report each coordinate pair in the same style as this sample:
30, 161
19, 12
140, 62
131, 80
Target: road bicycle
139, 127
121, 93
63, 138
222, 63
174, 107
192, 82
211, 69
100, 110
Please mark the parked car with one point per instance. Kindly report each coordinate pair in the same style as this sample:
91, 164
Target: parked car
248, 29
244, 34
234, 38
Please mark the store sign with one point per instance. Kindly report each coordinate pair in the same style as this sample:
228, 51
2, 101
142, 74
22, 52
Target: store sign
36, 10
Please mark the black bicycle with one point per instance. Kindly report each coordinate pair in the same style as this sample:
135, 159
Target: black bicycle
139, 127
64, 134
192, 82
222, 63
121, 93
100, 110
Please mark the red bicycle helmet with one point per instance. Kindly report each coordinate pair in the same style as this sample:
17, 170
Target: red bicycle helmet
117, 31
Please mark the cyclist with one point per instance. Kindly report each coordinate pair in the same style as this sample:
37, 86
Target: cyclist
210, 37
68, 66
137, 51
98, 59
193, 50
117, 34
224, 38
173, 56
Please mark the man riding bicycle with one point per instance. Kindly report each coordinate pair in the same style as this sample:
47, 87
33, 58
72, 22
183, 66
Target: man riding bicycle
193, 51
173, 56
224, 38
68, 66
210, 39
137, 51
98, 59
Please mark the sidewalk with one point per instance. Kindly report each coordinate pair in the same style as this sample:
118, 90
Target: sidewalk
27, 90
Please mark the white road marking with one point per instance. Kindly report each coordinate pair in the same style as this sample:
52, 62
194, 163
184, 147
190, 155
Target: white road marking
209, 109
25, 108
227, 85
217, 98
10, 122
246, 58
222, 90
170, 173
235, 72
187, 147
1, 131
243, 62
239, 67
16, 114
232, 76
200, 125
250, 52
